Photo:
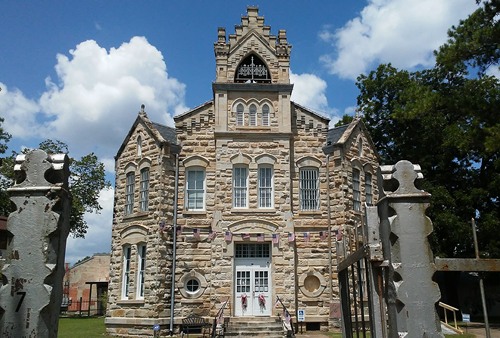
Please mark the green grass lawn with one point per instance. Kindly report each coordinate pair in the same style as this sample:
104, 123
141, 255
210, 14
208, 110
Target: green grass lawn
81, 327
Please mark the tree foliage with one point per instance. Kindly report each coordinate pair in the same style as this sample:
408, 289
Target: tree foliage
87, 179
447, 120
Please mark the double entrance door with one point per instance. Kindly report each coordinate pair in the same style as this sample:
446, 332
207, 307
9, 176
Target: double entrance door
252, 280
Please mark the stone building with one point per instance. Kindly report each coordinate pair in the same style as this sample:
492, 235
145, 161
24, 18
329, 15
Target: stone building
241, 201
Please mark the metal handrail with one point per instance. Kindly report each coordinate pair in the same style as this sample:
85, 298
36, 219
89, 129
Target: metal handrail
452, 309
219, 315
286, 314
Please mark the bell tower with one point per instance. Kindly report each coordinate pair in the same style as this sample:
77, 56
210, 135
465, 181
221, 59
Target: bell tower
252, 85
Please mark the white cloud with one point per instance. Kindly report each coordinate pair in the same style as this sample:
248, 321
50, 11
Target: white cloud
309, 91
99, 93
91, 106
19, 112
98, 237
402, 32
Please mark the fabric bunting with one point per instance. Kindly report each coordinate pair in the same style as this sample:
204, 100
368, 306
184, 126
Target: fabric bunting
276, 238
260, 237
291, 237
306, 236
228, 236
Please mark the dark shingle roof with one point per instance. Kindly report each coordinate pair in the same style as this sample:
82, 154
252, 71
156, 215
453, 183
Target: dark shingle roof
335, 134
168, 133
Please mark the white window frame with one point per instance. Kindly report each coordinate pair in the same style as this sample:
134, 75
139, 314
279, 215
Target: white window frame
368, 189
144, 190
240, 186
265, 115
197, 189
127, 254
309, 188
141, 267
240, 114
129, 192
265, 192
252, 120
356, 189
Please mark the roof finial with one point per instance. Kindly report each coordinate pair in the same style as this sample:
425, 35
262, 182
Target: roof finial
142, 112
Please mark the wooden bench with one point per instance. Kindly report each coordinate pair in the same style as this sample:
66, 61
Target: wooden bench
195, 324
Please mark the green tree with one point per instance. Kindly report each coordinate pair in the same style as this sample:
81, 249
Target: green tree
5, 182
87, 179
447, 120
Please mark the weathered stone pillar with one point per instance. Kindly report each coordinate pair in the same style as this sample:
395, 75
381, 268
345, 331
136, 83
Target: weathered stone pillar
411, 294
30, 298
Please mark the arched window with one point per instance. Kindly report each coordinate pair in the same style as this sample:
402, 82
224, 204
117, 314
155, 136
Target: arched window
144, 190
252, 69
253, 115
356, 189
141, 267
127, 253
265, 115
129, 193
240, 186
240, 116
265, 188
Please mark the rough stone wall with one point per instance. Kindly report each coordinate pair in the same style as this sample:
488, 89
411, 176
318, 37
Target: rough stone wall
152, 228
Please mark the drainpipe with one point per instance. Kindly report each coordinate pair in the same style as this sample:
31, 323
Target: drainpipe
174, 245
329, 207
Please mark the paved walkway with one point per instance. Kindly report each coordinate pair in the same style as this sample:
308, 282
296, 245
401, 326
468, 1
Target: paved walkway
476, 329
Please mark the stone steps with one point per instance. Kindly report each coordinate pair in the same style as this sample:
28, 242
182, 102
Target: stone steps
270, 327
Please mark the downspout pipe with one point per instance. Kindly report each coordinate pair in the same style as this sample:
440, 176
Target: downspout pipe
174, 246
329, 208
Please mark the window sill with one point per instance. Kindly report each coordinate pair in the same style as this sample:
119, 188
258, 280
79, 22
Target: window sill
253, 128
136, 215
309, 212
137, 302
253, 211
194, 212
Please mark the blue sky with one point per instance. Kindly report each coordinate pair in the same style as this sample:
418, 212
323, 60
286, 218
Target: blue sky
78, 71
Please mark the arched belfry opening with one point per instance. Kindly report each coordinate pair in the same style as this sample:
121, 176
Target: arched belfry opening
252, 70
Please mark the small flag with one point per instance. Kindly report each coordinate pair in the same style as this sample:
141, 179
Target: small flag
322, 235
291, 237
162, 225
260, 237
245, 236
306, 237
228, 236
211, 234
179, 230
287, 316
339, 235
196, 233
276, 238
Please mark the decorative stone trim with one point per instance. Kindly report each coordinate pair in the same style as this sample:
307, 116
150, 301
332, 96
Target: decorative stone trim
312, 283
190, 276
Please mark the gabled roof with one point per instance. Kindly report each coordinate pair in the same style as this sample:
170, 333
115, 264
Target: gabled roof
327, 119
335, 134
338, 136
194, 110
160, 133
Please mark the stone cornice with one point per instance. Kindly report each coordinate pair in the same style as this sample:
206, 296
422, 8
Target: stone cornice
252, 87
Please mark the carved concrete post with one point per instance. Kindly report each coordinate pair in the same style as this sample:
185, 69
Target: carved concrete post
30, 298
411, 294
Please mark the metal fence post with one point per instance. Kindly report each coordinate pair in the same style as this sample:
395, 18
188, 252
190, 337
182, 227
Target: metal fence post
31, 299
411, 294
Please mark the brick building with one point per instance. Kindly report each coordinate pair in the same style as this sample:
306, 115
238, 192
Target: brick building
241, 201
86, 286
